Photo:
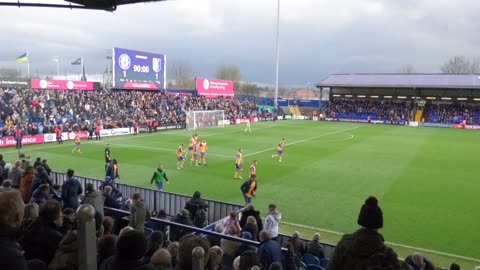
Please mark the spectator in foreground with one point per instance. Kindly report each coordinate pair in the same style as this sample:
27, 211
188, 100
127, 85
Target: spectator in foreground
251, 212
269, 251
292, 261
232, 223
106, 248
185, 248
138, 213
176, 232
15, 174
299, 245
40, 177
26, 183
215, 240
94, 198
68, 223
162, 259
173, 249
154, 243
40, 195
71, 189
454, 266
197, 208
40, 240
365, 246
11, 215
248, 260
418, 262
108, 198
315, 248
6, 186
272, 221
129, 251
251, 227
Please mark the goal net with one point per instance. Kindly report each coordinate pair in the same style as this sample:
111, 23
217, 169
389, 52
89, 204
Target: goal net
205, 119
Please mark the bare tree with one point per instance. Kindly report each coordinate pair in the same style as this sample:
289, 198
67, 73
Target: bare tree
10, 73
182, 75
250, 89
408, 69
231, 73
461, 65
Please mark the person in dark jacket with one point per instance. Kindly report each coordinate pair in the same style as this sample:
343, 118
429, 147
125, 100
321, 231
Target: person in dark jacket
40, 240
418, 262
315, 248
130, 248
94, 198
40, 195
68, 223
15, 174
244, 247
215, 240
37, 162
183, 218
269, 251
46, 166
26, 183
196, 203
109, 200
251, 227
251, 212
299, 244
71, 189
11, 215
40, 177
106, 248
357, 249
292, 261
138, 213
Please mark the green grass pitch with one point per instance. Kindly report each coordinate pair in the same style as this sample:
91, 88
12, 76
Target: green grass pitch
427, 179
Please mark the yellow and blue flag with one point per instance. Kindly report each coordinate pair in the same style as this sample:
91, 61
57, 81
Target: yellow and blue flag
22, 58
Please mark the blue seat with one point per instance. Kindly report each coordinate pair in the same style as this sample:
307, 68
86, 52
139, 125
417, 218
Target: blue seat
147, 231
310, 259
324, 263
315, 267
302, 266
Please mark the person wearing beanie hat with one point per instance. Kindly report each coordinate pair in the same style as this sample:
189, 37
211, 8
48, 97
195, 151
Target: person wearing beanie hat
130, 248
365, 248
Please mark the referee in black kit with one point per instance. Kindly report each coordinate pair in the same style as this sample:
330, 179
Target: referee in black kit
108, 156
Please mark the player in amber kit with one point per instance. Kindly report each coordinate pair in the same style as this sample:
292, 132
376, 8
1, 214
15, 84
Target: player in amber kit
280, 147
253, 169
239, 164
190, 145
180, 157
203, 150
77, 145
195, 154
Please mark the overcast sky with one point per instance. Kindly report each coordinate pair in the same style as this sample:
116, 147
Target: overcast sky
317, 37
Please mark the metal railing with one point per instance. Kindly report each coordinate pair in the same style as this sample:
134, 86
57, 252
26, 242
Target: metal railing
172, 203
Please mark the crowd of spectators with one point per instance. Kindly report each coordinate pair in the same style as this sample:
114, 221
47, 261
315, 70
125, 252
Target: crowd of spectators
385, 110
38, 229
453, 113
39, 111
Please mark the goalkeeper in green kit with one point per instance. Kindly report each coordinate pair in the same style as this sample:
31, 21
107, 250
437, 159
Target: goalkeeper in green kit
158, 176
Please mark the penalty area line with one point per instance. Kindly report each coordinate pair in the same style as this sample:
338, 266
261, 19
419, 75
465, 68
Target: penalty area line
451, 255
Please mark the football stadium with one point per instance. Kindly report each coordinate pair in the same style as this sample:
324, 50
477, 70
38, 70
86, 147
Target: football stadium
376, 172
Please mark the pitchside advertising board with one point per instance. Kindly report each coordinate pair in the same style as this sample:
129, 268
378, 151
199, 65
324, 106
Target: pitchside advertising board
138, 70
39, 84
214, 88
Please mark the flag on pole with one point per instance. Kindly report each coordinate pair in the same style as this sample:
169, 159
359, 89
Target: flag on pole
55, 59
77, 62
22, 58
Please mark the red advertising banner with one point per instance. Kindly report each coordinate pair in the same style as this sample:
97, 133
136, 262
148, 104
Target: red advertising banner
458, 126
140, 86
10, 141
61, 85
214, 88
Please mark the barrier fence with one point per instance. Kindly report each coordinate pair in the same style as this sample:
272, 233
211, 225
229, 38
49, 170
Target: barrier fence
172, 203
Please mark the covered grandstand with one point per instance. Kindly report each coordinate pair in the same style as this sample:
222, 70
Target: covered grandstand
435, 98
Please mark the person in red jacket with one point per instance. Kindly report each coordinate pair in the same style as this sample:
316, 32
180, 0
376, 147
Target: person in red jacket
97, 132
135, 128
58, 132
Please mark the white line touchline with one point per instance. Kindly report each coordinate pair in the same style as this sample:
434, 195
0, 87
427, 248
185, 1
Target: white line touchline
301, 141
390, 243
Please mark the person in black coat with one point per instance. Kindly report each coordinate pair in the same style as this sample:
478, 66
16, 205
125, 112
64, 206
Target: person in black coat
269, 251
40, 240
176, 232
251, 212
70, 191
11, 211
195, 204
40, 177
46, 166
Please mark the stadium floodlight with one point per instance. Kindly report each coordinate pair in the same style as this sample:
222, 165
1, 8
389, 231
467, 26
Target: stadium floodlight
106, 5
205, 119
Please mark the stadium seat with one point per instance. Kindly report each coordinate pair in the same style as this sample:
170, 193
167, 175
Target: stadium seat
147, 231
324, 263
314, 267
310, 259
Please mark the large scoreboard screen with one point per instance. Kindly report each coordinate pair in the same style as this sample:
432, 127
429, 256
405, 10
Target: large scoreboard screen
138, 70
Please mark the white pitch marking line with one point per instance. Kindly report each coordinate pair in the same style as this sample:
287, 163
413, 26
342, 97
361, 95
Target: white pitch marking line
302, 141
390, 243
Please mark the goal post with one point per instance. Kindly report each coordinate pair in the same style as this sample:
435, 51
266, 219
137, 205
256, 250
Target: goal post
205, 119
